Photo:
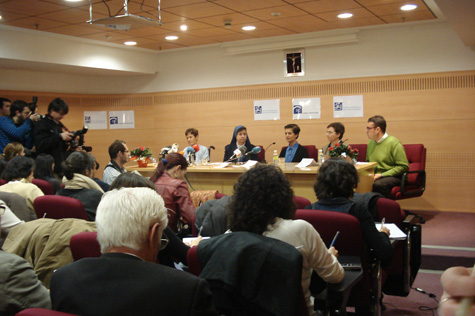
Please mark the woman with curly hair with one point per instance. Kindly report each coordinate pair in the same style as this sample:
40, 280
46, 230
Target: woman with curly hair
78, 171
334, 187
169, 183
262, 204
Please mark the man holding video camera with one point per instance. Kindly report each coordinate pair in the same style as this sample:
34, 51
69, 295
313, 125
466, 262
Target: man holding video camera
49, 135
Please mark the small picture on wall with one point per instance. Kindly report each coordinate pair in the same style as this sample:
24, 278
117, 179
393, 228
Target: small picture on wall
294, 63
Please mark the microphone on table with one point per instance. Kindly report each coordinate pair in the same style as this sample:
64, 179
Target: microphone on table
209, 152
254, 151
238, 153
273, 143
174, 148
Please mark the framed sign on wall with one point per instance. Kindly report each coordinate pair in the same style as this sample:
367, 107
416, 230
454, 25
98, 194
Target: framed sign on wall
294, 62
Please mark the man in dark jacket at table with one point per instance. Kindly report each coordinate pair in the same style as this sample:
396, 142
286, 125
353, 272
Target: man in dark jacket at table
126, 280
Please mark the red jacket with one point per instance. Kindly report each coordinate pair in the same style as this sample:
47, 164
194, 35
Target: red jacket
177, 200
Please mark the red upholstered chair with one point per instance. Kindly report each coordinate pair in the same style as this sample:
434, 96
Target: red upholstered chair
3, 181
361, 150
220, 195
350, 242
42, 312
57, 207
402, 271
85, 245
261, 156
301, 202
415, 179
44, 186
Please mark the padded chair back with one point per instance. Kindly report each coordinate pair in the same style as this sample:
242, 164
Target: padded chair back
57, 207
220, 195
85, 245
301, 202
240, 267
3, 181
312, 151
261, 156
362, 148
44, 186
42, 312
349, 243
414, 185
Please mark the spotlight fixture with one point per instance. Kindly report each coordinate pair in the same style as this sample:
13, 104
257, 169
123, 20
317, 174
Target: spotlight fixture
130, 43
408, 7
345, 15
248, 28
171, 37
184, 27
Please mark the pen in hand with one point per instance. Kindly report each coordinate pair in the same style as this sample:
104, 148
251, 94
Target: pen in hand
334, 239
382, 222
199, 232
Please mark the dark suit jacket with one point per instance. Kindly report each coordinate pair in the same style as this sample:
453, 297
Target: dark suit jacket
118, 284
299, 155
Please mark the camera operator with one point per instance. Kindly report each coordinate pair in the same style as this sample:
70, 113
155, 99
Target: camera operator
49, 136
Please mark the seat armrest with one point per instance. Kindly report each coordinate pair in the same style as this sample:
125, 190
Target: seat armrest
403, 183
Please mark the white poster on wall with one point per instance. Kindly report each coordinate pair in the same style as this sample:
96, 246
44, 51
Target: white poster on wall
121, 119
306, 109
348, 106
266, 110
95, 119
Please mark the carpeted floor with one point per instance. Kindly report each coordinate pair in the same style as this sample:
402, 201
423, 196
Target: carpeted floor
448, 239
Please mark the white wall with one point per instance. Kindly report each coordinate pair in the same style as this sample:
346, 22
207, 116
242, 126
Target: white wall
401, 49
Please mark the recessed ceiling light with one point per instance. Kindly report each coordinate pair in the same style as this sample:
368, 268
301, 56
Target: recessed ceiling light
275, 13
130, 43
408, 7
73, 0
345, 15
184, 27
249, 28
171, 37
1, 17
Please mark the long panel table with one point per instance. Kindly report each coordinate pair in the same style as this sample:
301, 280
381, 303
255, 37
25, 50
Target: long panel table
209, 177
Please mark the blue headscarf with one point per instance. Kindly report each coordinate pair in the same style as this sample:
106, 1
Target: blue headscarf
234, 139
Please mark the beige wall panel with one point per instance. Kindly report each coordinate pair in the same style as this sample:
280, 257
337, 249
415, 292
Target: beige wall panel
436, 109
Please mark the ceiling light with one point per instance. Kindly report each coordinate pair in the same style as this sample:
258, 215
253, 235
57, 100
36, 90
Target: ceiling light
1, 17
345, 15
408, 7
73, 0
275, 13
130, 43
248, 28
184, 27
171, 37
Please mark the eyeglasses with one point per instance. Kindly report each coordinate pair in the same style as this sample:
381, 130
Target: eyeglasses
163, 242
329, 133
370, 128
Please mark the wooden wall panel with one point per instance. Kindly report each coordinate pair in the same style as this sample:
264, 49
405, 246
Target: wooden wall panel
436, 109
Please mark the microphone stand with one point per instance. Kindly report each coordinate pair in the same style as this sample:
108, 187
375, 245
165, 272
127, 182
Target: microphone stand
209, 152
273, 143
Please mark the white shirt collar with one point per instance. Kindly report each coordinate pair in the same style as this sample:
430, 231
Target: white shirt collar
383, 138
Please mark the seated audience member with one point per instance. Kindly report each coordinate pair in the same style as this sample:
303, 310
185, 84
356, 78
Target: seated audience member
458, 283
8, 221
78, 171
169, 183
12, 150
14, 127
240, 138
19, 286
175, 249
130, 222
334, 187
44, 170
211, 217
294, 152
388, 152
262, 204
119, 154
335, 132
19, 174
202, 155
18, 206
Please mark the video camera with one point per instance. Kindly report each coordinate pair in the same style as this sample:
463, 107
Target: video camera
80, 142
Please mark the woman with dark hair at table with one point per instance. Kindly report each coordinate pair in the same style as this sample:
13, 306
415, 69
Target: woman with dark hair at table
335, 132
44, 171
78, 171
262, 204
240, 138
170, 184
334, 187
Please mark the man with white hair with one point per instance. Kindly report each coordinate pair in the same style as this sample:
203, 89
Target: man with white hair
125, 280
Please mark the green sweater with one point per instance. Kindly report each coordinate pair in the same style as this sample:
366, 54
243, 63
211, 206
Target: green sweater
390, 156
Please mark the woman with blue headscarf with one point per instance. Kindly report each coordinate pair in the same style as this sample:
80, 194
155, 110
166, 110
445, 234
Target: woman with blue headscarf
239, 139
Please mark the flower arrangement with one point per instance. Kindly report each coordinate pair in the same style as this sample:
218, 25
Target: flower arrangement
141, 153
344, 150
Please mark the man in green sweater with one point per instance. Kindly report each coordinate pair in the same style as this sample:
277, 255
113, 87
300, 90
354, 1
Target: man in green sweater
388, 152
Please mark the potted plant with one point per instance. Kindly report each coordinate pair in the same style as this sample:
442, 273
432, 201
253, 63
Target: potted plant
142, 156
